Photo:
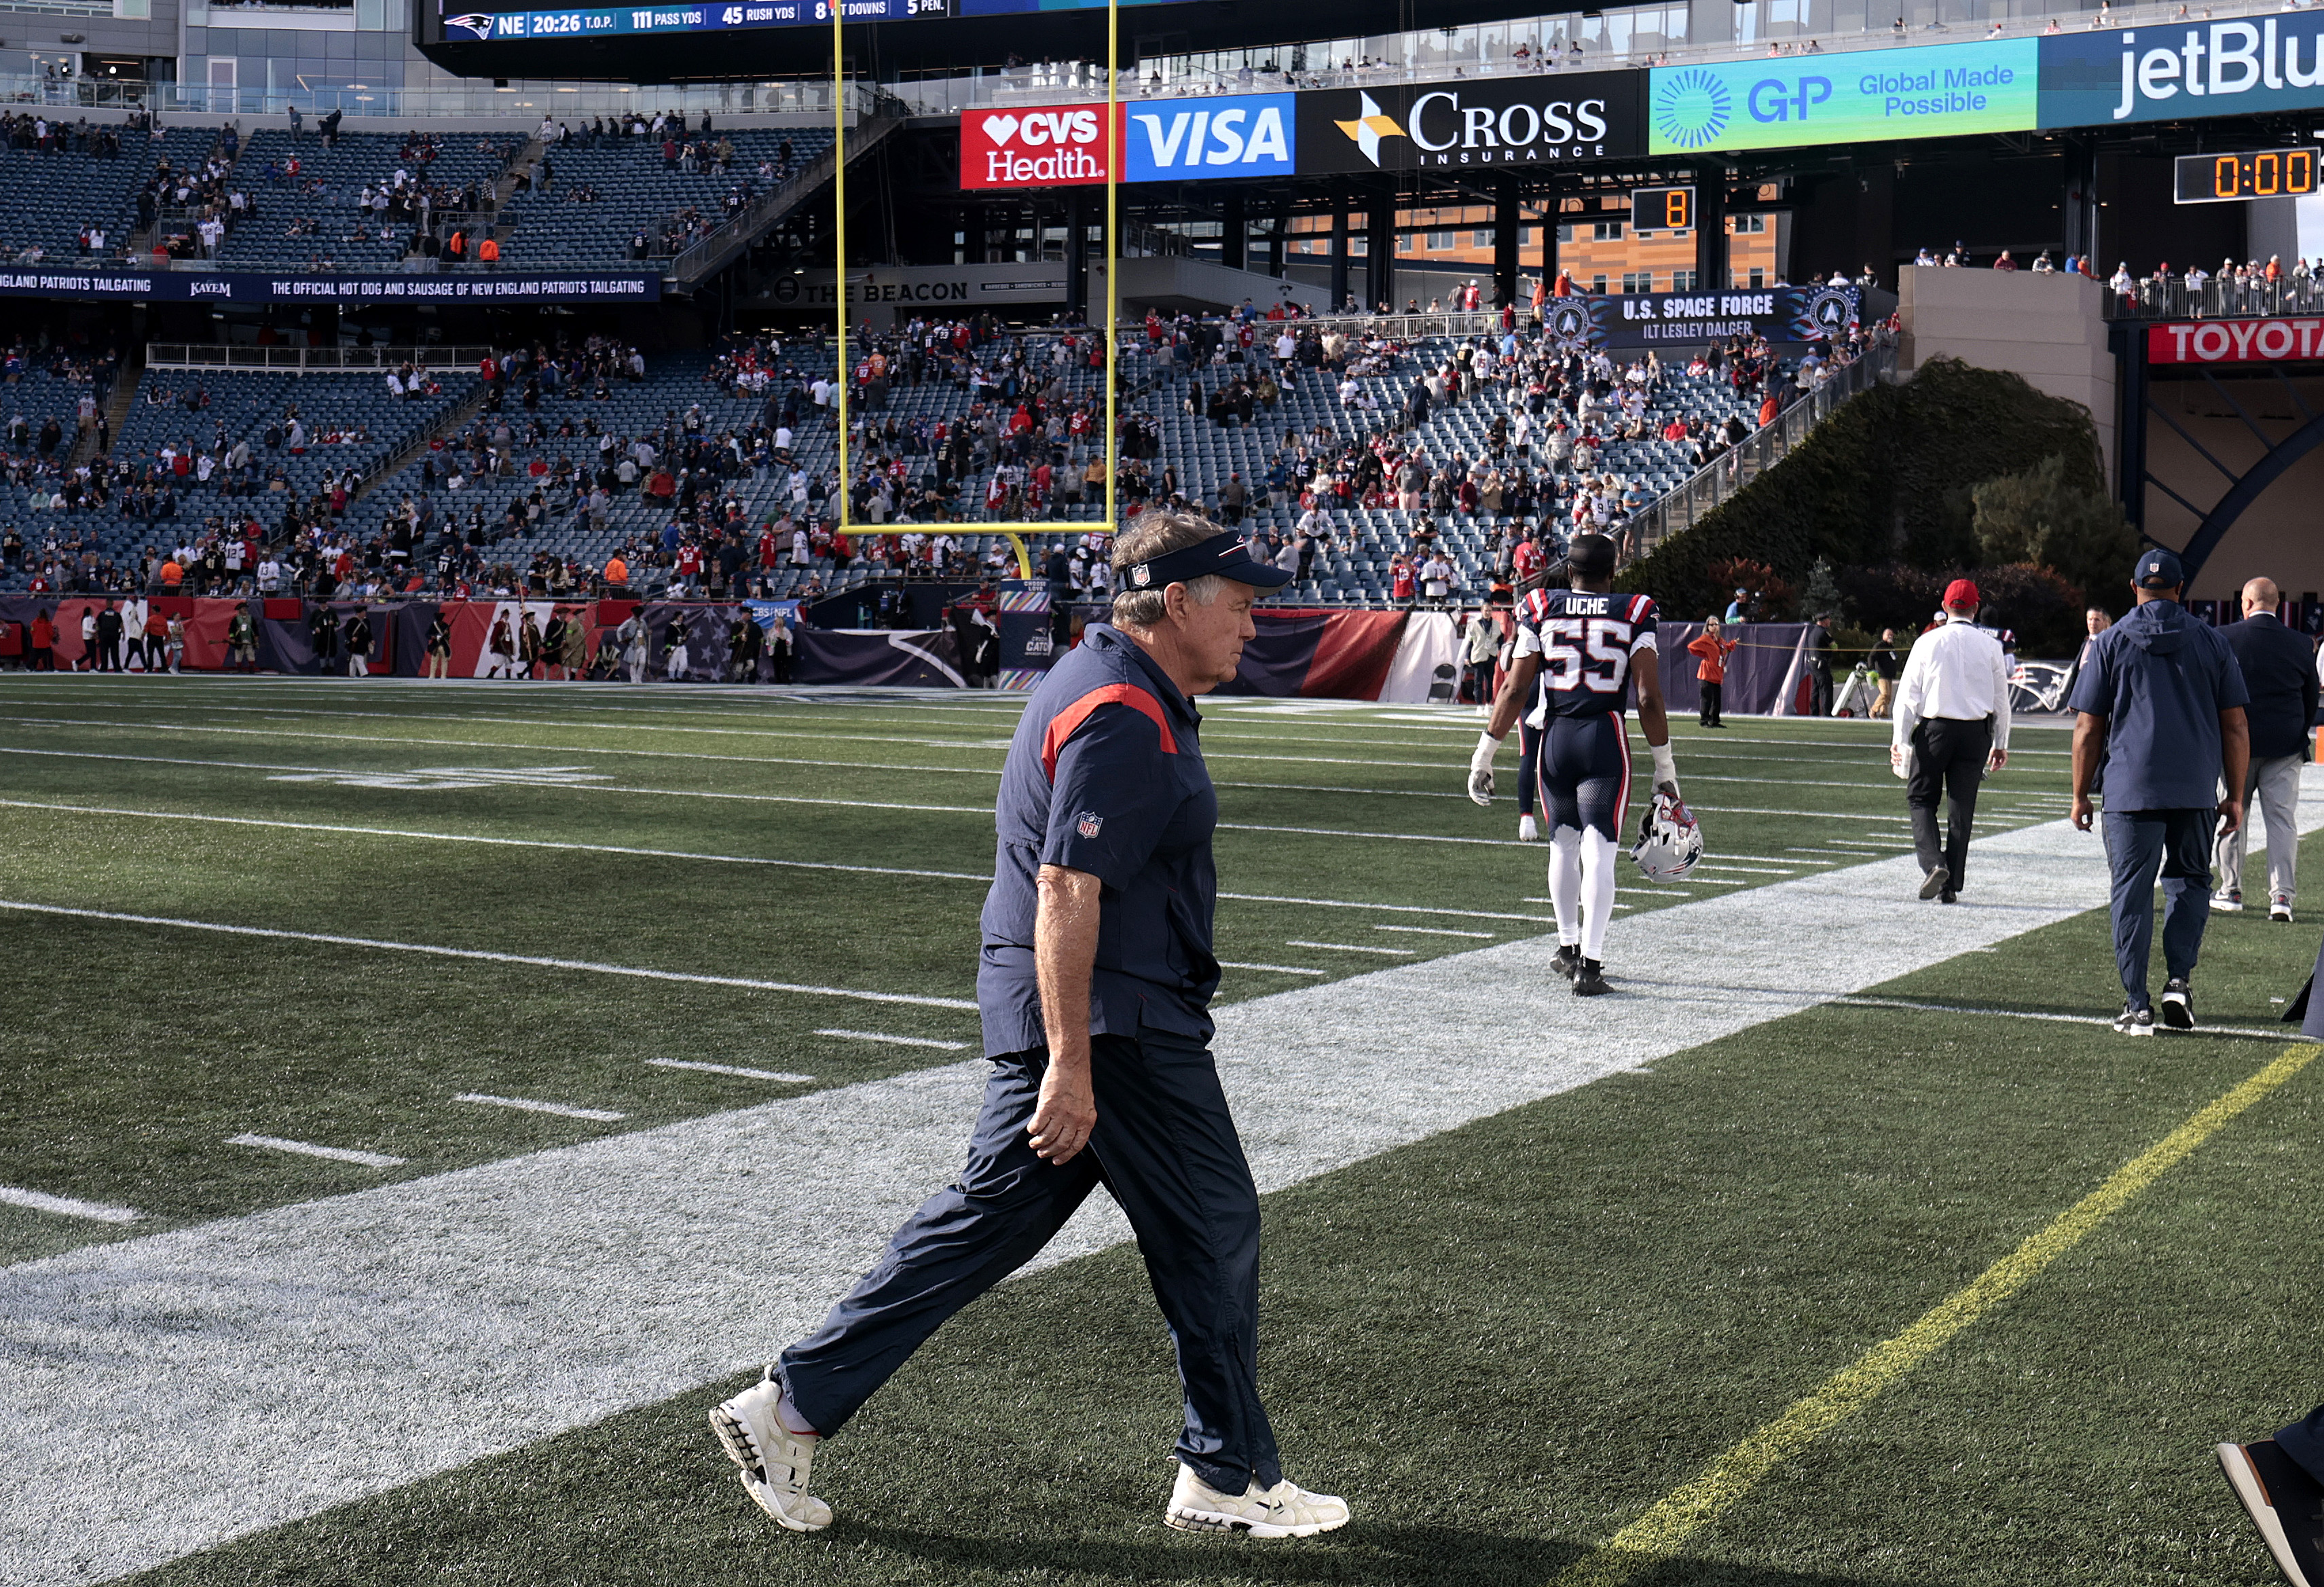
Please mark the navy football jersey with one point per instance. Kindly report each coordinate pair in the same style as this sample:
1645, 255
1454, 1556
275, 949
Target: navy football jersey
1587, 643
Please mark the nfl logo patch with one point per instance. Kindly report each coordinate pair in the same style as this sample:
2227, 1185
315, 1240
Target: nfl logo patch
1141, 576
1088, 824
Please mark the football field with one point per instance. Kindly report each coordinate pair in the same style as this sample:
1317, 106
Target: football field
422, 1101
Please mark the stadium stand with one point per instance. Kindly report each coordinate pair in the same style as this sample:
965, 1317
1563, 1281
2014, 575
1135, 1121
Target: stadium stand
308, 195
1365, 459
614, 196
57, 182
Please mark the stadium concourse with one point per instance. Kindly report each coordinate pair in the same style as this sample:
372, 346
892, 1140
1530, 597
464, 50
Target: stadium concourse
510, 1071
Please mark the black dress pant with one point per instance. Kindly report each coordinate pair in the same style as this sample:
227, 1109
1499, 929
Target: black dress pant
1949, 759
1819, 690
1711, 692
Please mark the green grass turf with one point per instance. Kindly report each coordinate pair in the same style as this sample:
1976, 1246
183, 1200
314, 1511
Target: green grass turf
139, 1049
1505, 1342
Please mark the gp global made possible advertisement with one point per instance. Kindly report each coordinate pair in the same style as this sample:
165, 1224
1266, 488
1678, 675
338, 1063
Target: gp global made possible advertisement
1931, 91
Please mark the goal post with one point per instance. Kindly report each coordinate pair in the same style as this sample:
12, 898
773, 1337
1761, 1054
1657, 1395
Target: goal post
1016, 533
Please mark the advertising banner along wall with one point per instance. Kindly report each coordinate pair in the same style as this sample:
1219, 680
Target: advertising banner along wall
1927, 91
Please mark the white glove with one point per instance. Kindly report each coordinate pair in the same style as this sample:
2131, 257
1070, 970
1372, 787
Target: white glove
1666, 770
1481, 769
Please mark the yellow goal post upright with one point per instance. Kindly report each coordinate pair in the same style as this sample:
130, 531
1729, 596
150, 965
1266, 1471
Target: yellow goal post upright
1016, 532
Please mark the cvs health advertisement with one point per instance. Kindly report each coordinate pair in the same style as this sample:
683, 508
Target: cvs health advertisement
1163, 140
1050, 146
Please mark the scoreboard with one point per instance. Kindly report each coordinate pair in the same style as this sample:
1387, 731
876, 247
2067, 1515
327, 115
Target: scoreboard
1662, 210
2260, 173
467, 23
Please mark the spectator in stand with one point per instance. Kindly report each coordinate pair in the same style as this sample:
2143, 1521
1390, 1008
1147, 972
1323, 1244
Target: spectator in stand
1711, 672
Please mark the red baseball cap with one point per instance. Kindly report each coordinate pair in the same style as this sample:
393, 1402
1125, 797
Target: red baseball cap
1962, 593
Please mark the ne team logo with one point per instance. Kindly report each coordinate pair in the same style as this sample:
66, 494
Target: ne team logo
1063, 146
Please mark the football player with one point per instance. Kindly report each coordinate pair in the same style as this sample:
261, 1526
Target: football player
1584, 644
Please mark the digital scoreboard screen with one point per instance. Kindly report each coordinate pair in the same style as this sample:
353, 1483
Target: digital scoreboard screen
461, 22
2262, 173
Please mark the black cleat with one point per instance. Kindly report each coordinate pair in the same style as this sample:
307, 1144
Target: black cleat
1566, 960
2284, 1502
2179, 1004
1590, 978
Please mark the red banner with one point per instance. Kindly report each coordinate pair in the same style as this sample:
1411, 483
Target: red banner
2235, 341
1055, 146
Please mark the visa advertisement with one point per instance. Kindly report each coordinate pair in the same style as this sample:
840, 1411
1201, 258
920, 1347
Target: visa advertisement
2182, 71
1166, 140
1926, 91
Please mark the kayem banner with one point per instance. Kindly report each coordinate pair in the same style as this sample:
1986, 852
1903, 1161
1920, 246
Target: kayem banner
1511, 120
2235, 341
1055, 146
1930, 91
2183, 70
1653, 319
466, 286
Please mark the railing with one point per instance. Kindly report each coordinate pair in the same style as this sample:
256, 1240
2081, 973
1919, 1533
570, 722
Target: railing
699, 258
1618, 37
1685, 506
523, 101
308, 360
2214, 299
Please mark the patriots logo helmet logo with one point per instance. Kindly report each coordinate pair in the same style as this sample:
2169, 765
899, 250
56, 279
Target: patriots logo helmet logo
475, 22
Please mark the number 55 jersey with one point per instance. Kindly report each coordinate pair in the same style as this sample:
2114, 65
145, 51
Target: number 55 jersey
1587, 642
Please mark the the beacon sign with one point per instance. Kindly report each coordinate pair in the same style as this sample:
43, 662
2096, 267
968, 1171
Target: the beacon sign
1931, 91
2235, 341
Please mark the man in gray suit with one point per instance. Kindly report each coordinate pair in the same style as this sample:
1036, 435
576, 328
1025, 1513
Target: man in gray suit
2279, 670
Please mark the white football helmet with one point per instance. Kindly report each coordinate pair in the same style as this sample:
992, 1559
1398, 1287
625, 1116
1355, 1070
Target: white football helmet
1669, 840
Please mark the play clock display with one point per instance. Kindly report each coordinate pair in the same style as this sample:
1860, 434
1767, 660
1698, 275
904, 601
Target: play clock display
2262, 173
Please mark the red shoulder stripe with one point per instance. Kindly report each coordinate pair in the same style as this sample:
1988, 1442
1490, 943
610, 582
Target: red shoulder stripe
1065, 723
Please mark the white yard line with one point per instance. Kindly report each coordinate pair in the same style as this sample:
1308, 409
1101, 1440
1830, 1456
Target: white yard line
1355, 947
1438, 931
63, 1206
949, 1047
328, 1350
1272, 969
531, 1106
2088, 1022
583, 965
308, 1149
514, 842
736, 1069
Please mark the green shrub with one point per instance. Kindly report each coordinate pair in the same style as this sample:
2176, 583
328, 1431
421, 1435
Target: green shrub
1886, 487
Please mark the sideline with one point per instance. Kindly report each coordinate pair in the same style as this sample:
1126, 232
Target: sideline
1646, 1542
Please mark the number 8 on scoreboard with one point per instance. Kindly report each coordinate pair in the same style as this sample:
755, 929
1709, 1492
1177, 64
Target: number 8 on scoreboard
1662, 210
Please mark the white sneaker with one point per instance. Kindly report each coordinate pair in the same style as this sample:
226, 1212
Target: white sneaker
2228, 900
1284, 1510
775, 1460
2279, 907
1528, 829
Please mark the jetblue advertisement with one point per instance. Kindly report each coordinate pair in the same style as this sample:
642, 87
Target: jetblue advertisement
1239, 134
2182, 71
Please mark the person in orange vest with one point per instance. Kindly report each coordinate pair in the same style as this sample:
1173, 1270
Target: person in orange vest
456, 246
1712, 675
617, 572
488, 253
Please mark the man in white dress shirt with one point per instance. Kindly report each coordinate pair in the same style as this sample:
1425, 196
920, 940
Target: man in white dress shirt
1952, 727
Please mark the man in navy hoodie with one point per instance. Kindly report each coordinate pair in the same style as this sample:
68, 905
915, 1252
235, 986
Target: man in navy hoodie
2160, 702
